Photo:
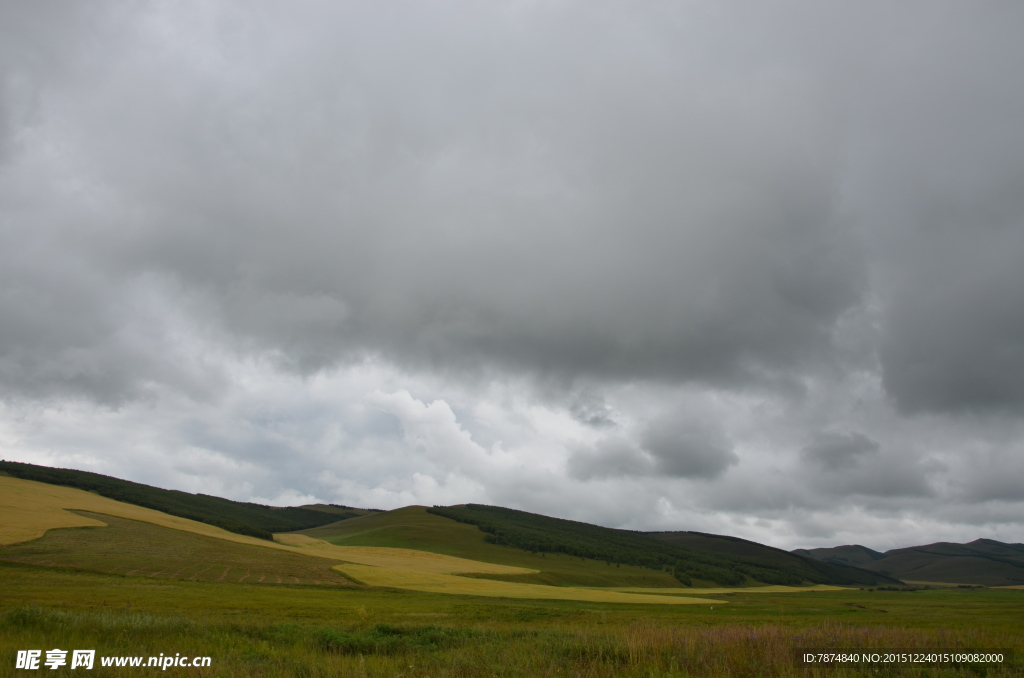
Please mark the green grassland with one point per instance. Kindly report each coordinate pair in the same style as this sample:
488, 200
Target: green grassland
290, 630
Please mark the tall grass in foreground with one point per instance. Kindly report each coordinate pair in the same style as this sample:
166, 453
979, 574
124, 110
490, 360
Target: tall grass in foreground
377, 650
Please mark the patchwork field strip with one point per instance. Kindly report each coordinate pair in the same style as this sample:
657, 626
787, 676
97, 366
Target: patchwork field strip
394, 558
454, 585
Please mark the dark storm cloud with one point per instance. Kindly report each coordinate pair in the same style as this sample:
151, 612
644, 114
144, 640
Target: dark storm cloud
893, 478
29, 32
589, 408
609, 458
562, 202
849, 464
627, 193
669, 447
687, 449
955, 335
945, 198
835, 451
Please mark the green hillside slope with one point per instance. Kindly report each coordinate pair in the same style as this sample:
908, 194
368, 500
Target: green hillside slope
255, 520
413, 527
542, 534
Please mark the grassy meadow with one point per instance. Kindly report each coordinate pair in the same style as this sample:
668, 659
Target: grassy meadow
293, 630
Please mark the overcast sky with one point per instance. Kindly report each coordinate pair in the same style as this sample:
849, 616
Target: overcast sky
742, 267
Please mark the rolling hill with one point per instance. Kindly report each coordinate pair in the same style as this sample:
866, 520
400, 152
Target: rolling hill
52, 526
982, 562
255, 520
533, 549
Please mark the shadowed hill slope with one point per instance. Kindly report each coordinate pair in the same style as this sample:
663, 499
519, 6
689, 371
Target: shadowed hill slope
984, 561
730, 546
852, 554
338, 511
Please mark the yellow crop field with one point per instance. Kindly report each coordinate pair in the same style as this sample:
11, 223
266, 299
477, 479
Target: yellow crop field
28, 509
446, 583
29, 517
406, 560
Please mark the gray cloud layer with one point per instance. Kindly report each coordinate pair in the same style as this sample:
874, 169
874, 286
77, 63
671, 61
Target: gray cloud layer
597, 202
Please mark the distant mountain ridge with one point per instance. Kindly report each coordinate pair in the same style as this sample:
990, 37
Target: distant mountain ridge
984, 562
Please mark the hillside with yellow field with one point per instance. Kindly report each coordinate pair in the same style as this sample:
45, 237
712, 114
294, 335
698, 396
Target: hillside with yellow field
53, 526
